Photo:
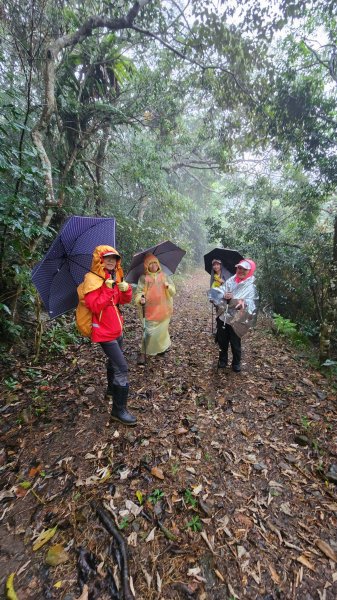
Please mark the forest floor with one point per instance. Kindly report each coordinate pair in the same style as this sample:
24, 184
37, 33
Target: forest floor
225, 490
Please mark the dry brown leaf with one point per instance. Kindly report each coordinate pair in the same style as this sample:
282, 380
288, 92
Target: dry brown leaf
197, 489
285, 508
232, 592
307, 381
85, 593
132, 539
150, 537
241, 550
274, 575
326, 549
147, 577
193, 571
191, 470
204, 536
159, 582
7, 494
56, 555
132, 587
243, 520
255, 577
181, 431
304, 561
156, 472
34, 471
124, 474
20, 492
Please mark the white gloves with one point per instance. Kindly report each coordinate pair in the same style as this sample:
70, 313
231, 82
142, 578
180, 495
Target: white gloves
110, 283
123, 286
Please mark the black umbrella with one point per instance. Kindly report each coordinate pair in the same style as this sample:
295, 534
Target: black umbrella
168, 254
228, 257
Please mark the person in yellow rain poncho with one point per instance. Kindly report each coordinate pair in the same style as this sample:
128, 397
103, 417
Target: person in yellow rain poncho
219, 273
154, 296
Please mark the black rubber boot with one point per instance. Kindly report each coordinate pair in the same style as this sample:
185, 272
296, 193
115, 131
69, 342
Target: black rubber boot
119, 412
236, 367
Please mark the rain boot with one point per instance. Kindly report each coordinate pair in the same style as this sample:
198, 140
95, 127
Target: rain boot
119, 412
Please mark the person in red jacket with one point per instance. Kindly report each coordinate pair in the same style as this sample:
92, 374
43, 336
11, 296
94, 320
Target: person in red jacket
104, 291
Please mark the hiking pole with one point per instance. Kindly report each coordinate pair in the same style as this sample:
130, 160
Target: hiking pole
227, 305
212, 318
144, 330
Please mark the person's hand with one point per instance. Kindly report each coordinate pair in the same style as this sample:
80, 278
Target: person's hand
240, 304
228, 296
142, 300
221, 281
123, 286
110, 283
167, 285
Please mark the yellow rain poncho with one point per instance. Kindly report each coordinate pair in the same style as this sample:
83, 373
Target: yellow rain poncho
158, 292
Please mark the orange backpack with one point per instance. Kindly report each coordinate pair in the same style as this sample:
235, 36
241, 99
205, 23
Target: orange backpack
83, 315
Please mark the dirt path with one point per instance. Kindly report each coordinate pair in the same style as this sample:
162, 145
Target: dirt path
231, 474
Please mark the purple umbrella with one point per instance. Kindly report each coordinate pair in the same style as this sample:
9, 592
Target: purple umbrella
69, 257
168, 254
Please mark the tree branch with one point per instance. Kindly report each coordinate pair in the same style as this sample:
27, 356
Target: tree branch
202, 66
49, 103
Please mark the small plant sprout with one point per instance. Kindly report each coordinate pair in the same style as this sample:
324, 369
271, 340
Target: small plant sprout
305, 422
190, 499
195, 524
11, 383
156, 496
124, 523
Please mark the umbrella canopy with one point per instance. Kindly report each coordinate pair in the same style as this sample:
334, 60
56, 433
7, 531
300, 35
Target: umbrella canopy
228, 257
168, 254
69, 257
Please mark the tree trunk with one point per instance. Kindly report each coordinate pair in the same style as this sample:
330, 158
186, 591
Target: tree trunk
39, 131
99, 160
329, 323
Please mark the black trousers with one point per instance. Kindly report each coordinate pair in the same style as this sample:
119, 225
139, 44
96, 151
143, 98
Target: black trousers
226, 336
117, 368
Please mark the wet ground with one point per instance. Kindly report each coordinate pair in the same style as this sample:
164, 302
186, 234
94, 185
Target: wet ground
225, 489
